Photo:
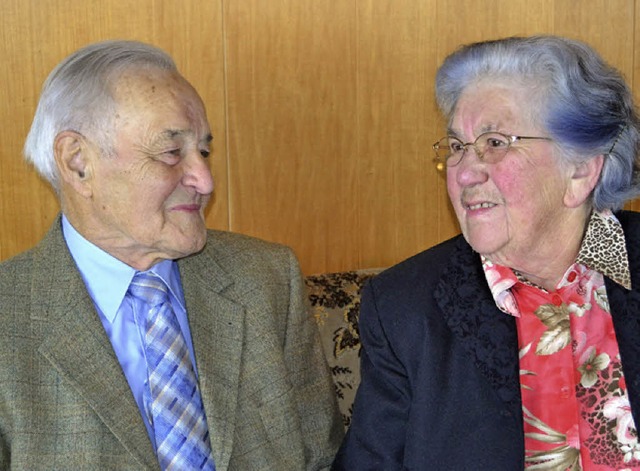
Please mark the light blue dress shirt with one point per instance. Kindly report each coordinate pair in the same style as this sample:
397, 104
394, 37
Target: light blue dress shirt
107, 279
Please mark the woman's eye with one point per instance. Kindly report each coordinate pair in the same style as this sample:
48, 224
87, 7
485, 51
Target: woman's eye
456, 147
496, 143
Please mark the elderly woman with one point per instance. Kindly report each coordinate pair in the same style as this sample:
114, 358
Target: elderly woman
516, 344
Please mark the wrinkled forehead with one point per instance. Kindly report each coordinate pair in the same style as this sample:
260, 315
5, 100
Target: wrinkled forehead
494, 106
519, 98
153, 89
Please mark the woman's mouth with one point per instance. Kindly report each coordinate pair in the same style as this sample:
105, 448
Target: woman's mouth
476, 206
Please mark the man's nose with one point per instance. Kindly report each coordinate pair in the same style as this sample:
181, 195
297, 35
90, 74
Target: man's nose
197, 173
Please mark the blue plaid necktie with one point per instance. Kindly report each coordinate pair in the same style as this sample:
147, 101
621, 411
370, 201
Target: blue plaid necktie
176, 412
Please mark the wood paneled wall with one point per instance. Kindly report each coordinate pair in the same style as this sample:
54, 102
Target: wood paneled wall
322, 111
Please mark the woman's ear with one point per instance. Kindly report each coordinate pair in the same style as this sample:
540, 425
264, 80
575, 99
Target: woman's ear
582, 180
73, 156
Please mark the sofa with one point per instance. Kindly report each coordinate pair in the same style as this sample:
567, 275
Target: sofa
335, 305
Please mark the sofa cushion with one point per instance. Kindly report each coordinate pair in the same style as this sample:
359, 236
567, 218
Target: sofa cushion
335, 304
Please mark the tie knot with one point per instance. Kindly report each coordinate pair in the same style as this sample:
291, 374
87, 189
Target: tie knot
148, 287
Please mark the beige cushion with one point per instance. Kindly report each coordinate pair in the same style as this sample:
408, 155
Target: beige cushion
335, 302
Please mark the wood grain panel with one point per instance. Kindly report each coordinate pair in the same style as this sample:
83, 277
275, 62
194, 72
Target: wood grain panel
292, 127
634, 78
401, 195
468, 21
322, 111
607, 25
36, 35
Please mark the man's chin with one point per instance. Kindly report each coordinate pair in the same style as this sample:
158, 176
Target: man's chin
183, 245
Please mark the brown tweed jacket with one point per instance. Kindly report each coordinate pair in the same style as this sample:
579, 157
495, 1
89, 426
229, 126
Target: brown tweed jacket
65, 402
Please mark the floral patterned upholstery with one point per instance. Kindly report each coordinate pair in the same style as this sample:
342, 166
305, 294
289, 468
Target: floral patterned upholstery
335, 303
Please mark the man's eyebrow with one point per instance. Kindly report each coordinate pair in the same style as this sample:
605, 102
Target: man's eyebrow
173, 133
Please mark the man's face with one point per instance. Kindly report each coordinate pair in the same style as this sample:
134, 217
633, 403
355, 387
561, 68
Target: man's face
148, 199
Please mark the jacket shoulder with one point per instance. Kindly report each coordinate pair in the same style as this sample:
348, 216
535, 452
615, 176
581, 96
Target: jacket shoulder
226, 245
630, 221
421, 270
15, 270
244, 257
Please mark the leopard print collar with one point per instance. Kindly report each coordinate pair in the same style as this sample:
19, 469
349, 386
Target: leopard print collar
604, 250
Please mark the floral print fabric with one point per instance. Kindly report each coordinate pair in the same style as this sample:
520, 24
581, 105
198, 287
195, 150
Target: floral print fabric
575, 404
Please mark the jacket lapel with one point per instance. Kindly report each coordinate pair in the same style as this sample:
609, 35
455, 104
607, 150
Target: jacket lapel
87, 362
489, 335
625, 312
79, 349
217, 330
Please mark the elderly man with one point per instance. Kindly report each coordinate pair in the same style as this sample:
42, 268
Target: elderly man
131, 337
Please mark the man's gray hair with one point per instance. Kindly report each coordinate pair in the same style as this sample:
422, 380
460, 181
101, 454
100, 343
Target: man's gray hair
77, 96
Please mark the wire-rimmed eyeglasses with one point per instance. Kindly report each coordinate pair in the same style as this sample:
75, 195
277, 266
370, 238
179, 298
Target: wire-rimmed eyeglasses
490, 147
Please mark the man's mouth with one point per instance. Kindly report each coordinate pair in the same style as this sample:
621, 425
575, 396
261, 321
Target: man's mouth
187, 207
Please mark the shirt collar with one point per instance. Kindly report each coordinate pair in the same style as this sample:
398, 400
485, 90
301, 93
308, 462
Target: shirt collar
167, 271
603, 249
107, 279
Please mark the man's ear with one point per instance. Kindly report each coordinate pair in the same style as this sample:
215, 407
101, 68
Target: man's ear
583, 179
73, 156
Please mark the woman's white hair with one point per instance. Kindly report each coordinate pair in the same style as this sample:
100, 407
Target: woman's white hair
582, 102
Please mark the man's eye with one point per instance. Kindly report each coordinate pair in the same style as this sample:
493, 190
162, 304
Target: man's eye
205, 153
170, 157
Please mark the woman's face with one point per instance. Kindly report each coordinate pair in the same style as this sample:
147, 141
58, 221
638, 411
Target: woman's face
512, 210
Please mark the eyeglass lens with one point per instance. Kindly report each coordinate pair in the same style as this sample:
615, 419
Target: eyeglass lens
489, 147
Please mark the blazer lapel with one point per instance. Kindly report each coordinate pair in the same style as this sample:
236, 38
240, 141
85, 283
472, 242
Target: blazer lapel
489, 335
625, 312
217, 329
79, 349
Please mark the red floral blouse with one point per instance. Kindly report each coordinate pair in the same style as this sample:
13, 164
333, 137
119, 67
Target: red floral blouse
574, 399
